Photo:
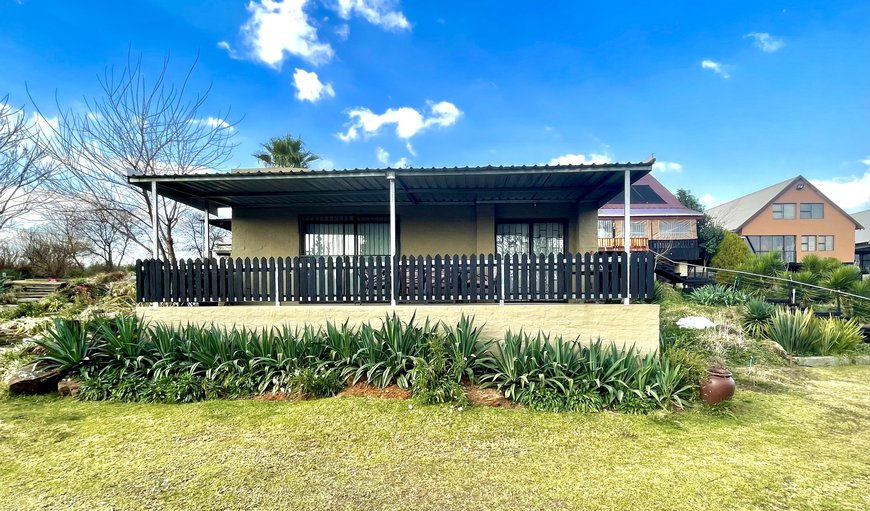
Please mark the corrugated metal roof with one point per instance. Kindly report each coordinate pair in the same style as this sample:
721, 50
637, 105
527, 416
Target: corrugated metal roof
595, 183
735, 214
863, 218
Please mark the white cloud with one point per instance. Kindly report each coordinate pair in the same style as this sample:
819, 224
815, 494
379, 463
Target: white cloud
343, 31
377, 12
716, 67
309, 87
44, 126
707, 200
276, 28
384, 159
581, 159
214, 122
667, 167
323, 164
766, 42
851, 193
383, 156
231, 52
408, 121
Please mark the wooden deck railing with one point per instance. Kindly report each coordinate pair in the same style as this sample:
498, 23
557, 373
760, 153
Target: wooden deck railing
637, 244
368, 279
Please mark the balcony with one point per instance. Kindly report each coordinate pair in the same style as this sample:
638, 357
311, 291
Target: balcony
678, 250
618, 245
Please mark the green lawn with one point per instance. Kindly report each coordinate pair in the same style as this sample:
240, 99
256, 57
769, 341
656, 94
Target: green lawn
800, 441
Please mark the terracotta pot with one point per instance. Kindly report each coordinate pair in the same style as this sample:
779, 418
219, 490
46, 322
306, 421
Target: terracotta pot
717, 386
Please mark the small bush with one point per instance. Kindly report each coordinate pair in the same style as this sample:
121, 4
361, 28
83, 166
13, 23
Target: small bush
435, 380
755, 316
718, 295
837, 336
309, 383
794, 331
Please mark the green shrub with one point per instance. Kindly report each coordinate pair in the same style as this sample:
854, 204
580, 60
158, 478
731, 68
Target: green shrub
795, 331
434, 379
5, 285
67, 346
467, 352
309, 383
859, 308
755, 316
718, 295
732, 253
837, 336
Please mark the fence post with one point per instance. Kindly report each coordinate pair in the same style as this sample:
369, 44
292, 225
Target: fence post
277, 277
501, 264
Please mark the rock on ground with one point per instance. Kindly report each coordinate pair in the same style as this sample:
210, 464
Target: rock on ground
33, 380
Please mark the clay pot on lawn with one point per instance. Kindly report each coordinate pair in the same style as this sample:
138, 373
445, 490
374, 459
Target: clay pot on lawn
717, 386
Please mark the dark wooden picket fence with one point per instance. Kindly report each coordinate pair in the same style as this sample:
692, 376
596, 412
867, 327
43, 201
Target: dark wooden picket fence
368, 279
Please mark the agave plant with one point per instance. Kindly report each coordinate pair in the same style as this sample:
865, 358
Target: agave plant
67, 346
755, 316
467, 352
517, 366
125, 342
718, 295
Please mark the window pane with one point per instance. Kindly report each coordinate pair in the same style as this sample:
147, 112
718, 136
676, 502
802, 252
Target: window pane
373, 238
777, 211
324, 239
549, 238
638, 230
512, 239
789, 243
788, 210
605, 229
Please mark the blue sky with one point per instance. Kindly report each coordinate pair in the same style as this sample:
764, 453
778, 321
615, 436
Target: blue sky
729, 96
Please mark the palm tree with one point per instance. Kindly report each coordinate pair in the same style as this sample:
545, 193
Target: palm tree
286, 151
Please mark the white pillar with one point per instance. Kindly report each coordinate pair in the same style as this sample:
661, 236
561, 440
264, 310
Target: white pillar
154, 230
626, 235
391, 177
206, 232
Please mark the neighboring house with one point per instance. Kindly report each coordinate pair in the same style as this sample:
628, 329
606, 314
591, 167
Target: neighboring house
659, 222
862, 241
407, 239
792, 218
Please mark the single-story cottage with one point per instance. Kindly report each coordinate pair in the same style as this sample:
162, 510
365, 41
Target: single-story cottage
438, 242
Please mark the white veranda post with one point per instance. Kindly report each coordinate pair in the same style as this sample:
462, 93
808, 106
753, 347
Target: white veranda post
206, 233
391, 177
154, 229
626, 236
154, 240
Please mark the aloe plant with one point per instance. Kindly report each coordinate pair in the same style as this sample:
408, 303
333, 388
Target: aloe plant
67, 346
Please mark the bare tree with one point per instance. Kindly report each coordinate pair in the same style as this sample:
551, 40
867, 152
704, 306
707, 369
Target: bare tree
53, 248
23, 165
102, 231
140, 124
191, 228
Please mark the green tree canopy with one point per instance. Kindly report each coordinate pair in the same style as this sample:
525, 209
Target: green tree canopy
709, 232
732, 254
286, 151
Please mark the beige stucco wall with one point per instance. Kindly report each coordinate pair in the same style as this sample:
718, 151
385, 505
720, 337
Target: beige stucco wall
622, 324
834, 223
423, 230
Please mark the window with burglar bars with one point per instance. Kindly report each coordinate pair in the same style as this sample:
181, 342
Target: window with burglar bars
345, 236
530, 238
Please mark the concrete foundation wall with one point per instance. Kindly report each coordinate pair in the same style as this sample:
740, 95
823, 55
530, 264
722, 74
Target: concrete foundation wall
622, 324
